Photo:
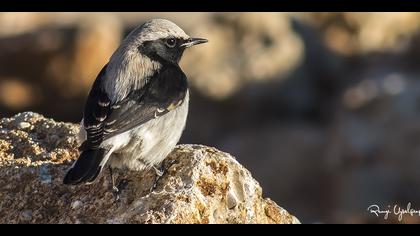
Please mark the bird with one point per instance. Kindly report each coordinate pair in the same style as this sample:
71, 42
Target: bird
137, 108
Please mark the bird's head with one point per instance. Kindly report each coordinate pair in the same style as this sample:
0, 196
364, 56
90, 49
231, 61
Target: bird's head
161, 40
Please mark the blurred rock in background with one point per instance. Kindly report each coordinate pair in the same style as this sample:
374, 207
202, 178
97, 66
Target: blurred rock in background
244, 47
357, 33
50, 67
328, 102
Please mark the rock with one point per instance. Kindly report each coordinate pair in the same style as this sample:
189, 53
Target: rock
243, 48
61, 62
24, 125
201, 185
358, 33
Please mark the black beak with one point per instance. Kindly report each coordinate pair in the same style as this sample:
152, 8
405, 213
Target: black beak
193, 41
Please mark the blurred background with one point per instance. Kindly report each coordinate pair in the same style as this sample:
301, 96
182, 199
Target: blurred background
322, 108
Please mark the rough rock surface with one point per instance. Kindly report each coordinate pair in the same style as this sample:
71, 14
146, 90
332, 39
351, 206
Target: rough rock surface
201, 185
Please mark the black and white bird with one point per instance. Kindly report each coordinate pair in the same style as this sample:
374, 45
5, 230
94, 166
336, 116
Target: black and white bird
137, 108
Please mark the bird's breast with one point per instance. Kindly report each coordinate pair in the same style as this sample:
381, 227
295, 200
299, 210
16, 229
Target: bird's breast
151, 142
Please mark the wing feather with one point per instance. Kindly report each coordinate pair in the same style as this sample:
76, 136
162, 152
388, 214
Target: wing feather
103, 119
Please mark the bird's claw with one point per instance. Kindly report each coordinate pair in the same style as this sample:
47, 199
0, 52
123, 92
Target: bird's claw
160, 172
117, 189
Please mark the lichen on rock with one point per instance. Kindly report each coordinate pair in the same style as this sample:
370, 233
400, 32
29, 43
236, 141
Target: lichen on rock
201, 185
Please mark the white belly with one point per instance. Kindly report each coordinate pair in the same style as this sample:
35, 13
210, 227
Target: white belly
148, 144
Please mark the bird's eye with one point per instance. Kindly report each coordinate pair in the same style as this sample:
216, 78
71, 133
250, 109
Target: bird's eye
171, 42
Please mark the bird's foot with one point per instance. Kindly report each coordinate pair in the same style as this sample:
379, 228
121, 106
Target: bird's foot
160, 172
117, 189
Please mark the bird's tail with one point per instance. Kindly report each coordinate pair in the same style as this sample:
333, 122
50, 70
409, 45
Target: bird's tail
87, 167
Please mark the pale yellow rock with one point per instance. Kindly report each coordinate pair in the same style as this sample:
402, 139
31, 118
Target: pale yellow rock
201, 185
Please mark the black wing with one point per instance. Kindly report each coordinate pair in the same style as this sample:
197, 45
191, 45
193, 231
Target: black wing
164, 92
